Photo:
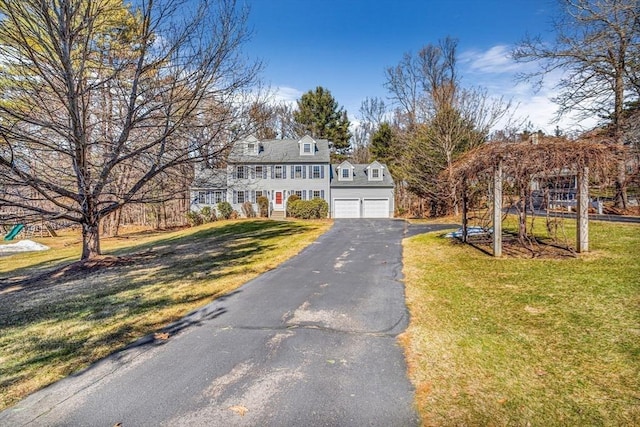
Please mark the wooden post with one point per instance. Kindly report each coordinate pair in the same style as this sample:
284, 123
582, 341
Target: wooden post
582, 211
465, 211
497, 210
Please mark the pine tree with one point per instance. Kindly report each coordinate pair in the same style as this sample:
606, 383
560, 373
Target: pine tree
320, 116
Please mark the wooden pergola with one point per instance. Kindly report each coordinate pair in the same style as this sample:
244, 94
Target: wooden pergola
520, 162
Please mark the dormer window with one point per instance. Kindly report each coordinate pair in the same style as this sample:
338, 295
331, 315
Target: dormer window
250, 146
374, 171
345, 171
307, 146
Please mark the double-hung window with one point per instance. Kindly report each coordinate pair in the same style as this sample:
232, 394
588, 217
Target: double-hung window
297, 172
240, 172
277, 170
316, 171
218, 196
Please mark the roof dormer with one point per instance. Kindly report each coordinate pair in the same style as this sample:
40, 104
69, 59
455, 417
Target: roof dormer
307, 146
251, 146
345, 171
375, 171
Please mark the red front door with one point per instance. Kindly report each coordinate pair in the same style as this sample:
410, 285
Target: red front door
279, 198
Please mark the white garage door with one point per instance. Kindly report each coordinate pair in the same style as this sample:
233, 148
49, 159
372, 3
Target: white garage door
346, 208
376, 208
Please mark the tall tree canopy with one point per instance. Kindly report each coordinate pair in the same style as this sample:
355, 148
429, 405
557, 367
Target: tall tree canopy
440, 119
102, 102
597, 46
319, 115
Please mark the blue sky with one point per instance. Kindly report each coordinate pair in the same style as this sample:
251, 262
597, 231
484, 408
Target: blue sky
345, 45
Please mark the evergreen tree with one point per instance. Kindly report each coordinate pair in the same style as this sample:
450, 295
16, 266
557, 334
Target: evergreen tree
381, 147
320, 116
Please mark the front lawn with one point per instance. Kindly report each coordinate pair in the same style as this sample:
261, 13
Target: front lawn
525, 341
57, 317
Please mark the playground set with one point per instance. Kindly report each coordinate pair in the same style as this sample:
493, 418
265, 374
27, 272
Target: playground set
29, 231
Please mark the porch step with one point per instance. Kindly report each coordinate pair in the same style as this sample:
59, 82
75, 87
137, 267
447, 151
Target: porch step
277, 215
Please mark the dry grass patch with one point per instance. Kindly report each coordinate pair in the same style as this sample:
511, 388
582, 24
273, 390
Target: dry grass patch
57, 317
525, 341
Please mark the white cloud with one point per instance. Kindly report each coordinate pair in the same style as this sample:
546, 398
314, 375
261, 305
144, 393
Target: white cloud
496, 71
496, 59
286, 94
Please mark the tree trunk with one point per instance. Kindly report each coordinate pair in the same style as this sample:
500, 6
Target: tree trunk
621, 185
90, 241
522, 214
618, 126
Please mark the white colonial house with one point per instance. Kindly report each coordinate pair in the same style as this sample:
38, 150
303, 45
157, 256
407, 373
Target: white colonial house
278, 169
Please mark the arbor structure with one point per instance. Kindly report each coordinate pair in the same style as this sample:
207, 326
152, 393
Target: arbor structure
103, 103
319, 115
508, 169
597, 47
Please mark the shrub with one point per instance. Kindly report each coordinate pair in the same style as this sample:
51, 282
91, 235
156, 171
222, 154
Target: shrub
225, 209
263, 206
308, 209
247, 210
208, 214
291, 201
194, 218
234, 214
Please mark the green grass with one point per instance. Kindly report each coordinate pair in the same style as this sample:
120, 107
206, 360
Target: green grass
67, 318
536, 342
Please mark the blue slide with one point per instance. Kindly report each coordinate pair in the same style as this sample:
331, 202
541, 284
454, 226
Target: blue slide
14, 232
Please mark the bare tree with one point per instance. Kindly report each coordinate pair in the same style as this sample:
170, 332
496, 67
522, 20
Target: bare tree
92, 90
449, 120
597, 46
371, 115
405, 84
373, 111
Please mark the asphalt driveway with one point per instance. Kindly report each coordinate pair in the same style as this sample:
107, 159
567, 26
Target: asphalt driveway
312, 342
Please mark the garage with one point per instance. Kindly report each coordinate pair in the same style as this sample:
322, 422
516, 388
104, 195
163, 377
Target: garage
375, 208
346, 208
